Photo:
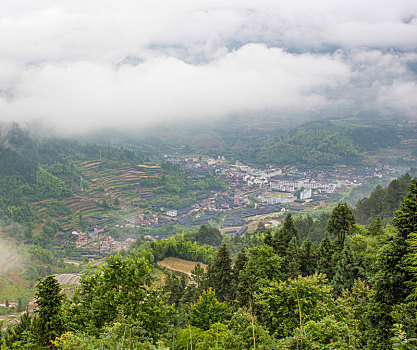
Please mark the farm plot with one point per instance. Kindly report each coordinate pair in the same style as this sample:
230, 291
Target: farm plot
180, 265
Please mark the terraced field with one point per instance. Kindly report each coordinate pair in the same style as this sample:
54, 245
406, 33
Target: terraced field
100, 183
122, 183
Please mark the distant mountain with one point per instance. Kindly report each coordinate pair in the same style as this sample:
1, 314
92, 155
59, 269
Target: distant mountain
328, 142
354, 140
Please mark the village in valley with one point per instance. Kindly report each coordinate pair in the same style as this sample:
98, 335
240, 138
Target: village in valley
252, 195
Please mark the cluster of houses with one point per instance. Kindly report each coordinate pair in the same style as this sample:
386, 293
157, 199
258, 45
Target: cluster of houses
110, 244
97, 240
269, 190
271, 186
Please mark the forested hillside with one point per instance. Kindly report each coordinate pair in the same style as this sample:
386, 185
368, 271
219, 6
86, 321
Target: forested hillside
384, 201
362, 138
34, 170
277, 289
327, 142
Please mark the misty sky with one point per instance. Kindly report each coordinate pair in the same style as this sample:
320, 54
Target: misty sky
79, 65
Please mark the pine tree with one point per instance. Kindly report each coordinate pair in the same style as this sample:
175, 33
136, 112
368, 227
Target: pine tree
239, 264
19, 305
268, 238
308, 258
375, 227
304, 225
174, 288
292, 261
341, 222
289, 226
325, 262
347, 269
49, 322
246, 287
393, 282
283, 236
194, 289
405, 219
197, 276
20, 333
220, 274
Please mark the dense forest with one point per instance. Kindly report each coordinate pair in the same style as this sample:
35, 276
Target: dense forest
355, 288
325, 143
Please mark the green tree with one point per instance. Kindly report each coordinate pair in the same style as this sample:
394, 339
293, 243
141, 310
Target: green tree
194, 289
175, 289
325, 263
355, 307
48, 323
197, 276
375, 227
281, 304
411, 260
382, 202
268, 238
122, 287
239, 265
207, 310
347, 269
284, 235
308, 257
292, 260
246, 287
196, 338
261, 227
246, 333
219, 274
209, 235
405, 219
20, 335
262, 267
341, 222
264, 264
393, 282
19, 305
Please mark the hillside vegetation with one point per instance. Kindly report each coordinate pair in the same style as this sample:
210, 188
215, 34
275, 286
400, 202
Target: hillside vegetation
363, 138
48, 185
356, 289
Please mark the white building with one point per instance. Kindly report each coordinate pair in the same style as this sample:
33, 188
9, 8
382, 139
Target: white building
306, 194
172, 213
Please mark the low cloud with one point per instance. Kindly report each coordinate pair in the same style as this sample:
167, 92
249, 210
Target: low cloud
400, 97
78, 66
254, 78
